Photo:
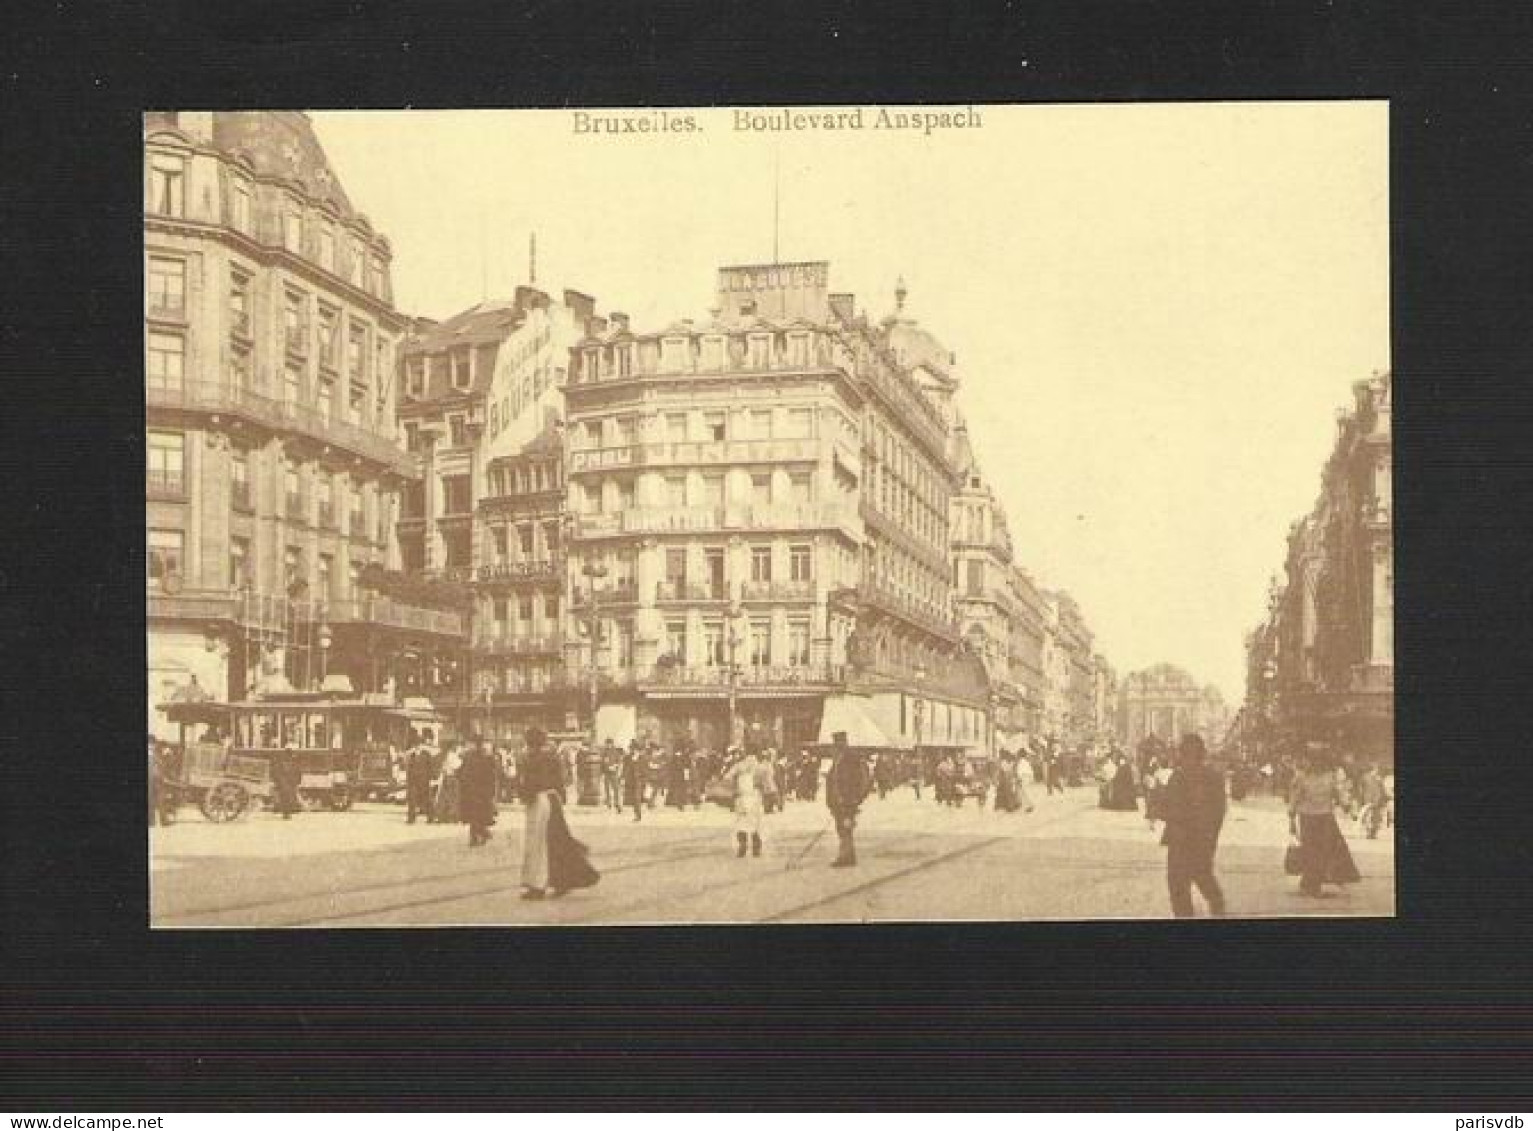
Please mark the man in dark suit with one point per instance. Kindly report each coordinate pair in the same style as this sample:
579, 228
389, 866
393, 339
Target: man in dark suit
418, 775
846, 787
477, 779
1192, 806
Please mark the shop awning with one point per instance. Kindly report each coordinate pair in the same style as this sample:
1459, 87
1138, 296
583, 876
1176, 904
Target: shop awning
844, 713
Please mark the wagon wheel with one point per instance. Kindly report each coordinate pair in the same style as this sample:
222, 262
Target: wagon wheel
225, 802
340, 798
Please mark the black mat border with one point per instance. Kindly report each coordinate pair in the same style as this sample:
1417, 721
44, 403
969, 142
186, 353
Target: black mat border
1430, 1010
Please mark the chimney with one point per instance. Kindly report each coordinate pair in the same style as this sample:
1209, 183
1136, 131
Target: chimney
582, 306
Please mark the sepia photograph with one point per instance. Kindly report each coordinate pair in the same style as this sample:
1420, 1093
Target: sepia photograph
848, 514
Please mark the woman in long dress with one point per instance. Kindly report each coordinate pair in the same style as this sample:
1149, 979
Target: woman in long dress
1006, 800
1312, 807
749, 778
553, 861
1120, 788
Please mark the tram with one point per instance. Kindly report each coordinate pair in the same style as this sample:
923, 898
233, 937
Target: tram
344, 747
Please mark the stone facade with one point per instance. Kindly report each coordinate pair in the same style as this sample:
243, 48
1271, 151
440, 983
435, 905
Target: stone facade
273, 465
1166, 702
1321, 666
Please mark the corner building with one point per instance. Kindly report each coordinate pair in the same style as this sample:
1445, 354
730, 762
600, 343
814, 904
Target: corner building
759, 513
273, 468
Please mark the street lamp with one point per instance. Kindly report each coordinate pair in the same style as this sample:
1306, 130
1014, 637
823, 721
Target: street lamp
594, 571
736, 638
920, 708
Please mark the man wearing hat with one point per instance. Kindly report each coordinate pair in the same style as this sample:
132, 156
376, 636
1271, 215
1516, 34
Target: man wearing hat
846, 787
1192, 806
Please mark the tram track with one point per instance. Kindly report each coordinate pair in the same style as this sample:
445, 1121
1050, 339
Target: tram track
610, 912
892, 848
173, 918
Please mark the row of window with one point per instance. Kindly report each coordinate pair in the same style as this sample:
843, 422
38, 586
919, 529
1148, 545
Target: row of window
166, 472
705, 426
708, 353
525, 541
751, 643
940, 720
167, 557
525, 604
299, 230
680, 490
892, 567
524, 478
684, 568
165, 363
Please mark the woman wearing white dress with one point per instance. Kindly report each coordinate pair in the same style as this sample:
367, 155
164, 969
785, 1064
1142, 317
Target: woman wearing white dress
749, 778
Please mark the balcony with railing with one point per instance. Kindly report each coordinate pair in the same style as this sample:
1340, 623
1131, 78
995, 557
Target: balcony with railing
549, 644
284, 416
923, 614
620, 592
673, 520
533, 571
777, 590
388, 613
672, 589
747, 677
691, 452
166, 485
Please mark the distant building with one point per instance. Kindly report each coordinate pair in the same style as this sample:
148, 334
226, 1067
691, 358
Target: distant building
986, 592
1166, 702
1030, 651
1104, 698
273, 465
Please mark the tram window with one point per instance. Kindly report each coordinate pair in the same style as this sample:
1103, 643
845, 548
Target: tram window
266, 724
292, 729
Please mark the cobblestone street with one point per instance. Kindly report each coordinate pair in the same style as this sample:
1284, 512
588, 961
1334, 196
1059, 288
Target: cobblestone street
1067, 859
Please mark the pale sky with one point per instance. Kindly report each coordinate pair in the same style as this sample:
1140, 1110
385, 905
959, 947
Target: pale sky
1156, 308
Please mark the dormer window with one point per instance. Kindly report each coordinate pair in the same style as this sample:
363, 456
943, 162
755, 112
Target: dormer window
673, 354
798, 349
415, 376
759, 351
461, 368
713, 353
